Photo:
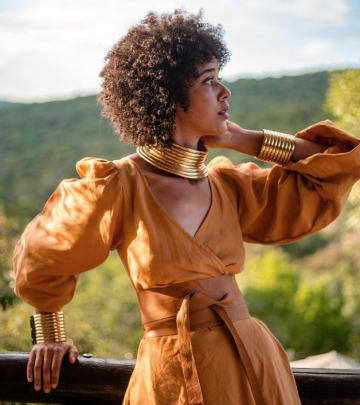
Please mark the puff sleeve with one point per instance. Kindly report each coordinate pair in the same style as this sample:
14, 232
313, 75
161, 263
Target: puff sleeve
280, 205
79, 225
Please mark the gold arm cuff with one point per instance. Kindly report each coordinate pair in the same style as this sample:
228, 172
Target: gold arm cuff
277, 147
48, 328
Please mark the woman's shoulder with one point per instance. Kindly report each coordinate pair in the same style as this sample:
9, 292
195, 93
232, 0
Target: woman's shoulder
223, 165
95, 167
220, 162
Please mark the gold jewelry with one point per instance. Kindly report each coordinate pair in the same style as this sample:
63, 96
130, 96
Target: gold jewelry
177, 159
276, 147
47, 328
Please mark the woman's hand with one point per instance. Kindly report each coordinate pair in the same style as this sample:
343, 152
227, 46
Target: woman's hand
45, 359
236, 138
225, 141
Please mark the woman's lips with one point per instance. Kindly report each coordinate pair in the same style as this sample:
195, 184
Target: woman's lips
224, 114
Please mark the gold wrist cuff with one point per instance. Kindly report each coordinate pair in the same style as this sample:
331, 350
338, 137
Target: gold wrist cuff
276, 147
48, 328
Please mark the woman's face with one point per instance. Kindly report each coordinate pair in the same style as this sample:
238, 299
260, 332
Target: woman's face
207, 104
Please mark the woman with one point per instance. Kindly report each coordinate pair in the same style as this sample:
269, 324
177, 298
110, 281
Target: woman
179, 225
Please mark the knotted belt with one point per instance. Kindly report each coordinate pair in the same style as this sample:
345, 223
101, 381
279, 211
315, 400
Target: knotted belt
184, 307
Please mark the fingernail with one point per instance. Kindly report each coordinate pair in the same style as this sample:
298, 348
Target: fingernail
29, 379
54, 386
38, 388
46, 390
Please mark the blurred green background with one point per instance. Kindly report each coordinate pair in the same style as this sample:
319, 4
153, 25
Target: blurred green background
307, 292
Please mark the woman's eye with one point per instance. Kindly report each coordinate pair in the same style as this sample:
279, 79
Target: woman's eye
210, 79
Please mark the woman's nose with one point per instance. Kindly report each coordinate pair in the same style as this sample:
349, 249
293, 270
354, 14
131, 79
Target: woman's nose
226, 93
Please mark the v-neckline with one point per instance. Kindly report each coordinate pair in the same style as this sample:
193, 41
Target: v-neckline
167, 214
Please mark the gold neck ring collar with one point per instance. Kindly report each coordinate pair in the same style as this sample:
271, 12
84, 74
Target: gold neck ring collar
177, 159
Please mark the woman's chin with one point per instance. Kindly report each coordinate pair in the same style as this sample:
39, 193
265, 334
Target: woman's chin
220, 130
215, 131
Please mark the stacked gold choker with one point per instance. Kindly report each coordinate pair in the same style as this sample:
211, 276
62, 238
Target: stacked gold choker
178, 159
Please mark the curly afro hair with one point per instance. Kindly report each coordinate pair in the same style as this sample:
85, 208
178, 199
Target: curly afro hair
149, 71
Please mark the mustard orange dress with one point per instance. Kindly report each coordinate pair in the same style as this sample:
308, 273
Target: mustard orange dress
113, 208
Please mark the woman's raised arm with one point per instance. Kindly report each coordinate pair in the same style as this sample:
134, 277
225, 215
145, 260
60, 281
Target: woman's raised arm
282, 204
249, 142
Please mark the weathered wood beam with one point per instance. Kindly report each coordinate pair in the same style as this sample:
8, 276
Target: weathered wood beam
97, 380
100, 380
328, 386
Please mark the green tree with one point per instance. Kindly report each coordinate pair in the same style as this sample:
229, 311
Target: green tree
7, 241
322, 326
306, 315
343, 101
270, 284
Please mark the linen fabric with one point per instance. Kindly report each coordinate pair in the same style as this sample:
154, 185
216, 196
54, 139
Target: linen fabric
113, 208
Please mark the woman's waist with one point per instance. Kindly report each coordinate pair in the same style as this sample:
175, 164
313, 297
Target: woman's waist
159, 306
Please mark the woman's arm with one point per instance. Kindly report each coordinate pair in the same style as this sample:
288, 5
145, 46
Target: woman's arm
249, 142
283, 204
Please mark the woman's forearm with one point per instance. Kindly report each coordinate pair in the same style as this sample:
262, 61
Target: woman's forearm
250, 142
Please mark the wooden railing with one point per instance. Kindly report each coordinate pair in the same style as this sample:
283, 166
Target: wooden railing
100, 380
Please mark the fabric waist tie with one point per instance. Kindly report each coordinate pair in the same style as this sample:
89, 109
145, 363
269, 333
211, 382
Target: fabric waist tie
184, 307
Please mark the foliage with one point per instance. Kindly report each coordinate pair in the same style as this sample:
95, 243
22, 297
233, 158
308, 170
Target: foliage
305, 315
40, 145
7, 242
308, 245
322, 324
270, 285
286, 104
353, 220
343, 101
348, 270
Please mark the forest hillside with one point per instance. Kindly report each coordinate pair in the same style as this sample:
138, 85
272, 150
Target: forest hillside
41, 142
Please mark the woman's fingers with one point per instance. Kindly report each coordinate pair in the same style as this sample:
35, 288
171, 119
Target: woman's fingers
46, 369
55, 368
30, 366
45, 361
73, 354
38, 370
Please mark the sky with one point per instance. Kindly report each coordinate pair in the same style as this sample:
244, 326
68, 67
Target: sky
55, 49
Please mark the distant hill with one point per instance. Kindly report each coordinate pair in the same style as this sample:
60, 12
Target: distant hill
286, 104
6, 104
41, 142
